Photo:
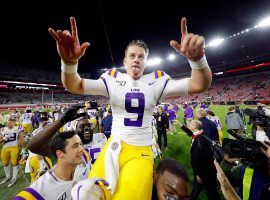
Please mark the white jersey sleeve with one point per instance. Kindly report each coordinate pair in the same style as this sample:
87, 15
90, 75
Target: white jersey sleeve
176, 88
94, 87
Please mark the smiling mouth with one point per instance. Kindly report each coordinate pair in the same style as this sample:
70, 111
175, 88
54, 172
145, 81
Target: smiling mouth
87, 135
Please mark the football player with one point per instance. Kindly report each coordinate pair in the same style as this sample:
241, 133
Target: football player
38, 164
69, 169
133, 97
12, 136
26, 119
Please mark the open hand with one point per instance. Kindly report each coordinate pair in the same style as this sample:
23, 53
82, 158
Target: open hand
68, 45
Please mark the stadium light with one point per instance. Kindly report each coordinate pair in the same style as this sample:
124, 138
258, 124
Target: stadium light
171, 57
153, 62
265, 22
215, 42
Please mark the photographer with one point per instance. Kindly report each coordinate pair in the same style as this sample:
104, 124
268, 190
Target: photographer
251, 176
260, 120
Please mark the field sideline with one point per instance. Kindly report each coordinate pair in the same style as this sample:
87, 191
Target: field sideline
178, 148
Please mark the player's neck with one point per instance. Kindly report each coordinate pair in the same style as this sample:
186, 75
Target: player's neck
64, 171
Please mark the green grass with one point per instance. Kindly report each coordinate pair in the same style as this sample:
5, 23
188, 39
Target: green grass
23, 181
178, 148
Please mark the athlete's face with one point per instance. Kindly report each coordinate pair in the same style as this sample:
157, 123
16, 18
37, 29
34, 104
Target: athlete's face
11, 124
85, 128
134, 61
171, 187
73, 151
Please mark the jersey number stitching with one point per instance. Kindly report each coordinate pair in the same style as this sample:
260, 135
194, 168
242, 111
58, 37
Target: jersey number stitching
131, 109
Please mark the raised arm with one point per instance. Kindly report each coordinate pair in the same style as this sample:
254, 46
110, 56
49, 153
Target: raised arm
226, 187
70, 51
40, 143
191, 47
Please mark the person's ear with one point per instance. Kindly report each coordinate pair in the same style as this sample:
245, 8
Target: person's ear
59, 154
155, 177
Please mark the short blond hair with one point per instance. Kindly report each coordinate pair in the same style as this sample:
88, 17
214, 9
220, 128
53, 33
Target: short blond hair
138, 43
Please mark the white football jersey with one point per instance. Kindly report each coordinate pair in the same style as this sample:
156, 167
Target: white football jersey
133, 102
49, 186
69, 126
27, 118
95, 146
92, 113
216, 120
12, 135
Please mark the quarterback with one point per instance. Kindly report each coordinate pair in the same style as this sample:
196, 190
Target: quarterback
133, 97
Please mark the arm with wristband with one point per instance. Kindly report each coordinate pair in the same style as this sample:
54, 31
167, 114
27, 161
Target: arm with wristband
70, 51
192, 47
40, 143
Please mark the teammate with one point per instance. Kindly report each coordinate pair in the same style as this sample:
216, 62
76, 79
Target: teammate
211, 115
170, 182
26, 119
69, 169
12, 136
92, 142
133, 97
36, 164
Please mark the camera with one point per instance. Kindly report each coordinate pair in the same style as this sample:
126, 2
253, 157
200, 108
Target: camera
248, 150
258, 116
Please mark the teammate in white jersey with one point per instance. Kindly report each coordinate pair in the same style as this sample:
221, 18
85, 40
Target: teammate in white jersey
38, 164
12, 136
69, 169
211, 115
26, 119
133, 97
92, 142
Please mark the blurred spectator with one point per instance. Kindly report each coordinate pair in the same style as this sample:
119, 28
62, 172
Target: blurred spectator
188, 114
106, 124
209, 127
162, 123
234, 121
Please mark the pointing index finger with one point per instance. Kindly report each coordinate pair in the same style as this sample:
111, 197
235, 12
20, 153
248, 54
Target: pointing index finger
184, 27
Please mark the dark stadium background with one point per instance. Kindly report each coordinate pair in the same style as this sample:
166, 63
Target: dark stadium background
25, 39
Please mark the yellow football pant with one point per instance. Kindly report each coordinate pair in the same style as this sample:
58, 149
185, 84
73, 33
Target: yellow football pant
135, 179
10, 154
34, 166
220, 136
27, 128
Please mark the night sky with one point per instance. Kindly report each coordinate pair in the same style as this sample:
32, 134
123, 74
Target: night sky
25, 39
